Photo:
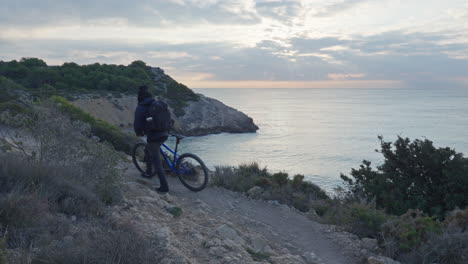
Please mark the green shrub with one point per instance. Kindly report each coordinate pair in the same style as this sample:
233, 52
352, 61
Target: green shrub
367, 221
297, 181
180, 93
34, 75
360, 219
410, 230
174, 211
280, 178
7, 87
239, 179
313, 191
277, 186
321, 207
411, 171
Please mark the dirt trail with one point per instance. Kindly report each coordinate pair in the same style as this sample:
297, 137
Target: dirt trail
285, 229
275, 222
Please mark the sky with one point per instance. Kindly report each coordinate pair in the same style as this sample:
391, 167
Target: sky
252, 44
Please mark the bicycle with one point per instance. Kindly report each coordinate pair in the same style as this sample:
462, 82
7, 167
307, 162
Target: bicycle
188, 167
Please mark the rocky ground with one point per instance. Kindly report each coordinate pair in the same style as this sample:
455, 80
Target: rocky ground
220, 226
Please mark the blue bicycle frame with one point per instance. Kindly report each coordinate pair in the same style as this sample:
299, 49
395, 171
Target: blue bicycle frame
172, 164
166, 158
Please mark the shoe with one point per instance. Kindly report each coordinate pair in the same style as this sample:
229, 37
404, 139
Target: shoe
144, 175
162, 191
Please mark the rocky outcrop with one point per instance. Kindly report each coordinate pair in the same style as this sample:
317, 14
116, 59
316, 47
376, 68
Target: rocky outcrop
203, 117
210, 116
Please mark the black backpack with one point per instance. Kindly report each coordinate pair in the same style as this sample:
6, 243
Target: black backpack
158, 117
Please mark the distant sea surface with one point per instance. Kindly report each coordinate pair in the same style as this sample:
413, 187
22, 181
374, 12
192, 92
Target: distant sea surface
321, 133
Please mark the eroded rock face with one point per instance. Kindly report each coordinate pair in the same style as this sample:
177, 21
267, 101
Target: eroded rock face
203, 117
210, 116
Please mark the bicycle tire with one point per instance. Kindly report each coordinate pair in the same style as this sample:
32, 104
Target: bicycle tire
182, 173
136, 159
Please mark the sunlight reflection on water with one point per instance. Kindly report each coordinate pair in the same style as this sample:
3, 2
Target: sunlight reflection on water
322, 132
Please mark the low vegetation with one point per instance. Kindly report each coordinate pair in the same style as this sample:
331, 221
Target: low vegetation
101, 243
55, 183
358, 218
103, 130
414, 204
271, 186
54, 139
13, 108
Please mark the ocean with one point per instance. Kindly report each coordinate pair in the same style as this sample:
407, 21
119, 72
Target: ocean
321, 133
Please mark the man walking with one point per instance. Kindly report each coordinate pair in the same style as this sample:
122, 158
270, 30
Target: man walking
151, 121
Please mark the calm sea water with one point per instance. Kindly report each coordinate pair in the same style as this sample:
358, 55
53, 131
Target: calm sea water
324, 132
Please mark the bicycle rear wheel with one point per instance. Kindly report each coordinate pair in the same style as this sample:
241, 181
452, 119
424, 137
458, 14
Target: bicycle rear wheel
192, 172
142, 159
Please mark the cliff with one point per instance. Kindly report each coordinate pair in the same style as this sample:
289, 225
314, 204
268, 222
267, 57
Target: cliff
202, 117
196, 116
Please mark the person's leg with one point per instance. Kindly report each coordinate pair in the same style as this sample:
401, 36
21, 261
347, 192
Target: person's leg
154, 148
149, 163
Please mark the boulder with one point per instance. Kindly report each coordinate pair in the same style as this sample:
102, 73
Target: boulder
287, 259
381, 260
255, 192
260, 245
312, 258
369, 243
215, 242
227, 232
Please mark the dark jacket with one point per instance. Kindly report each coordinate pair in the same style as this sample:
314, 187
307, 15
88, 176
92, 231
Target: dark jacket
140, 122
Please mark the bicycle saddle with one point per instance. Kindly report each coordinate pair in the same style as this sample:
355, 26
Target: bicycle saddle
177, 136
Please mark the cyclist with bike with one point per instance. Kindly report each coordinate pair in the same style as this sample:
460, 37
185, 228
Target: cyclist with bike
156, 133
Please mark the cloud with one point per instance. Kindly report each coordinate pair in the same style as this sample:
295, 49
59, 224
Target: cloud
247, 41
418, 60
337, 7
169, 54
143, 12
345, 76
279, 10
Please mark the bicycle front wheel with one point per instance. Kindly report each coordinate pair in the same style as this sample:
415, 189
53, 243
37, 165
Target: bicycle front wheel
192, 172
